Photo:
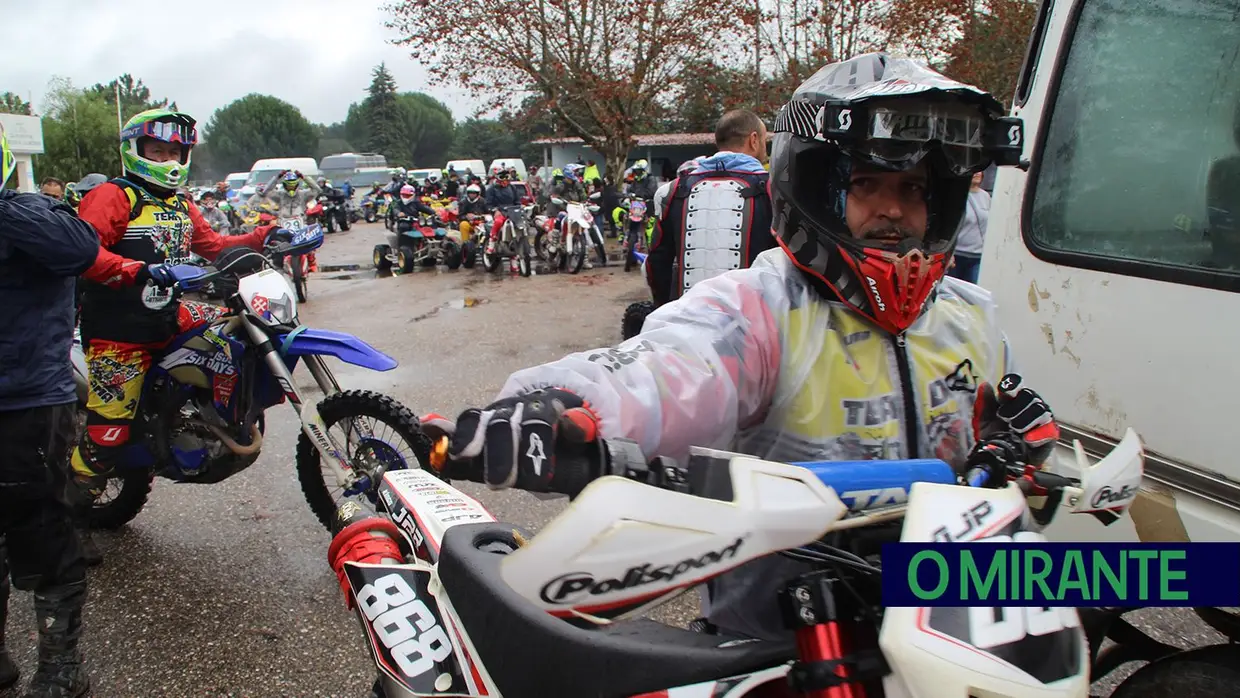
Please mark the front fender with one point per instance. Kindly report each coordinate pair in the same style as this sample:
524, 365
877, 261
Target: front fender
308, 341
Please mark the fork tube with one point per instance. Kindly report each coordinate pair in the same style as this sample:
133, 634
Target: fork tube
827, 642
824, 626
322, 375
311, 423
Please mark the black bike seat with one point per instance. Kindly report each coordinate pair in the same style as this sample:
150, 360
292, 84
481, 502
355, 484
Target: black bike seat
529, 652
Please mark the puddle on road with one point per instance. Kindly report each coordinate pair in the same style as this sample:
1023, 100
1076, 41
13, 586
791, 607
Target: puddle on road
371, 274
459, 304
339, 267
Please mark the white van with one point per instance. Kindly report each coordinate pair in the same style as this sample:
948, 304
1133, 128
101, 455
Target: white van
1110, 258
475, 166
510, 162
264, 170
235, 182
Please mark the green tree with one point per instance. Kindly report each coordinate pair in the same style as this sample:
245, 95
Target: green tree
11, 103
599, 65
135, 96
382, 115
426, 127
415, 130
332, 139
258, 126
79, 134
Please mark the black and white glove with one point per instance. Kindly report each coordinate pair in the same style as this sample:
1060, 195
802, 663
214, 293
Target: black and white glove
522, 440
1014, 427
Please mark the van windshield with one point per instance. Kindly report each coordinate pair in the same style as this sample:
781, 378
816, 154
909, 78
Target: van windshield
261, 176
1141, 162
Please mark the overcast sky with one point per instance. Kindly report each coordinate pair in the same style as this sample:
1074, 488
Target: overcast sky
315, 54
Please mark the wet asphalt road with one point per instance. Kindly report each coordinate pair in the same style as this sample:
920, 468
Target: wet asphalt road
224, 590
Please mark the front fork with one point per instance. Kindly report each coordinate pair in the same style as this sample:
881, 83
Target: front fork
837, 651
311, 423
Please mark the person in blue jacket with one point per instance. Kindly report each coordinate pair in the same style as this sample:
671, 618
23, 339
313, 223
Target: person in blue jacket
44, 246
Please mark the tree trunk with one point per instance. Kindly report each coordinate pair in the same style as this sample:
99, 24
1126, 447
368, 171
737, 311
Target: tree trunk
616, 154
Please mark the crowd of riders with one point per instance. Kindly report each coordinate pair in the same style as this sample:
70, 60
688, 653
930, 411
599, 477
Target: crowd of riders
843, 215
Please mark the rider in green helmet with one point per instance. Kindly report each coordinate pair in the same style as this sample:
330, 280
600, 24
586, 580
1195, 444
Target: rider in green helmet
128, 309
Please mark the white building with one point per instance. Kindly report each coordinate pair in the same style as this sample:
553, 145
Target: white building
25, 135
664, 152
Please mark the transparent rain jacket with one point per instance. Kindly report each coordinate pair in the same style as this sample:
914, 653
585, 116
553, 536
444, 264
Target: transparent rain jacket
755, 361
290, 205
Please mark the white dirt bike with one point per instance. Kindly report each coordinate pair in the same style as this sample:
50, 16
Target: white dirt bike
456, 603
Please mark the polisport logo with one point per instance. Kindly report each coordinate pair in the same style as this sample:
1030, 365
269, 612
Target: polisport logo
1108, 496
568, 589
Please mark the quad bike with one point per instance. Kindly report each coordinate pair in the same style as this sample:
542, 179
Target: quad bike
328, 211
370, 209
635, 315
453, 602
412, 244
201, 415
512, 240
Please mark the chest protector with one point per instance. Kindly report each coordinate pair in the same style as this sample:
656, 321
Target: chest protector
159, 230
716, 213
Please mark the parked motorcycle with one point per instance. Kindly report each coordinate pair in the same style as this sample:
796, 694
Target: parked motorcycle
512, 240
640, 227
565, 249
201, 415
297, 266
423, 242
480, 227
431, 572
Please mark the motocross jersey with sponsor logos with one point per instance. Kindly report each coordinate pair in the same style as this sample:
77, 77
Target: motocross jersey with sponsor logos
755, 361
137, 228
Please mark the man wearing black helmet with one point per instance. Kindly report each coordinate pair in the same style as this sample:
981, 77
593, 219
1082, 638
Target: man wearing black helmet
846, 342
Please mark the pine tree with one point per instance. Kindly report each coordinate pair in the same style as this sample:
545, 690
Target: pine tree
383, 117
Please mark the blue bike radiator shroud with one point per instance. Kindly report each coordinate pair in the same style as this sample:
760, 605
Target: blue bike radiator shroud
1038, 574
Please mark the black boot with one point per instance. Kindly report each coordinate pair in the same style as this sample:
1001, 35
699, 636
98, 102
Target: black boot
8, 670
60, 673
80, 503
90, 551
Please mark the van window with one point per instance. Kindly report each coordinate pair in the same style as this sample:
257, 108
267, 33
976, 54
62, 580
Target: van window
262, 176
1139, 169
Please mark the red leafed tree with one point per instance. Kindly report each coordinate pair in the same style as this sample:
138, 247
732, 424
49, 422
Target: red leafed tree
981, 42
599, 66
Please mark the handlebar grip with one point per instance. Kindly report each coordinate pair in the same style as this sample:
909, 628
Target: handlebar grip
574, 470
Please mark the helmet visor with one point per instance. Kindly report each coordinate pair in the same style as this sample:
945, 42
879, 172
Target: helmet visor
166, 131
901, 135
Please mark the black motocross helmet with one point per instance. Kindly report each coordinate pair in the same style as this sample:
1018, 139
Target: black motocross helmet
894, 114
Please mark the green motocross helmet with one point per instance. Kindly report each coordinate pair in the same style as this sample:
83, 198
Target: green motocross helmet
162, 125
8, 161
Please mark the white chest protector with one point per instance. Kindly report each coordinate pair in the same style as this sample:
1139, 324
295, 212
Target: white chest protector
715, 228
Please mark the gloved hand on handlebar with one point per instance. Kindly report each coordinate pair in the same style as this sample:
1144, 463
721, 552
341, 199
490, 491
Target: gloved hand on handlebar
520, 439
158, 274
278, 235
1014, 427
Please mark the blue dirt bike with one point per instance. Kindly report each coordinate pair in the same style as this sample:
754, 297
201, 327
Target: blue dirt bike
201, 415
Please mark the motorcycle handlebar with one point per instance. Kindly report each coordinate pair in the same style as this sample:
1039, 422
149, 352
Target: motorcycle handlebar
574, 471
